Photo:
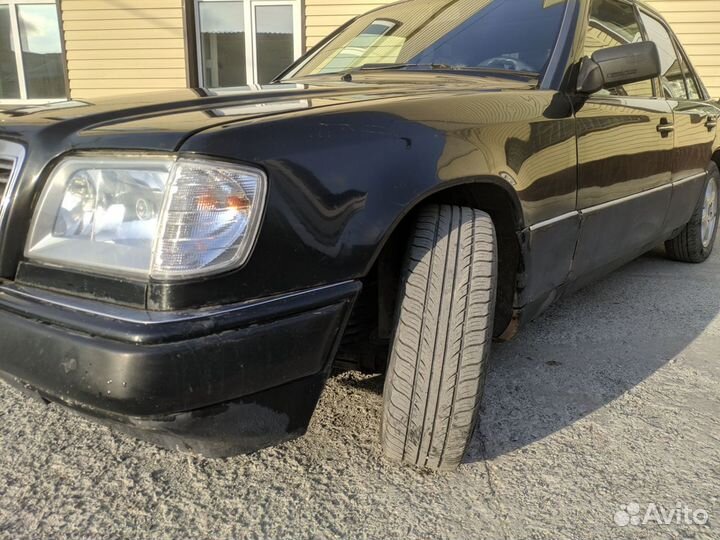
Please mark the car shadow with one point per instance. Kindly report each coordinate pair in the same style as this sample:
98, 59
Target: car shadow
591, 348
587, 350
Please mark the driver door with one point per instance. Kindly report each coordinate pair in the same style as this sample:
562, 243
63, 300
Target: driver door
625, 155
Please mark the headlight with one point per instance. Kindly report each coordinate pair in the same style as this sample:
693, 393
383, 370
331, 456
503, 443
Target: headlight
148, 216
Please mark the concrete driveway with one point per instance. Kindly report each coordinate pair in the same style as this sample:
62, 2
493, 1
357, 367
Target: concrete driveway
601, 421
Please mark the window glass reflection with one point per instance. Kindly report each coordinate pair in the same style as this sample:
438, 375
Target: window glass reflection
671, 78
274, 40
9, 85
41, 50
613, 23
693, 87
222, 35
509, 35
372, 46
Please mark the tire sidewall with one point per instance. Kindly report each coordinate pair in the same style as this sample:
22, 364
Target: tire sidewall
713, 173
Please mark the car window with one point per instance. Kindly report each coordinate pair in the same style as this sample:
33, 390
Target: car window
672, 80
693, 87
613, 23
370, 41
508, 35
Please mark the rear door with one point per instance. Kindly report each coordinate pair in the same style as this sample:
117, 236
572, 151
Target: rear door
695, 123
625, 153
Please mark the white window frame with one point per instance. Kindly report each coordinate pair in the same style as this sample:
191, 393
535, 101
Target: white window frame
249, 17
17, 45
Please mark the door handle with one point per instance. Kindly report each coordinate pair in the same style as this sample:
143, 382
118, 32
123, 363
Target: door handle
711, 123
665, 128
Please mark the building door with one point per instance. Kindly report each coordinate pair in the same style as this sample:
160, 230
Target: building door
245, 42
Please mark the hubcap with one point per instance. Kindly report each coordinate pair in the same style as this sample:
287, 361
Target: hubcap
710, 212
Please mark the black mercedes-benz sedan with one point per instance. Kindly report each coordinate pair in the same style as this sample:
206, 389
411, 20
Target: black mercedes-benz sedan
190, 267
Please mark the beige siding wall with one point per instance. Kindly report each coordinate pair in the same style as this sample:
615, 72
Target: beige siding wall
128, 46
697, 23
123, 46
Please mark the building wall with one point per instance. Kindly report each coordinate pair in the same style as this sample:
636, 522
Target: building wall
697, 24
695, 21
123, 46
128, 46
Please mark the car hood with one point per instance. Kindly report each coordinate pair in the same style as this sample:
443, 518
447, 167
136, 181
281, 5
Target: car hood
162, 121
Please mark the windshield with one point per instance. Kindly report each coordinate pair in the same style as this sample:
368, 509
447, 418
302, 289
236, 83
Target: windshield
508, 35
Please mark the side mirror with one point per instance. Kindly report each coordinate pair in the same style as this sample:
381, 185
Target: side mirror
616, 66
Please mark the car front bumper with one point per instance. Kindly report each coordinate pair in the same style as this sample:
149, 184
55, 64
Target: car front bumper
217, 382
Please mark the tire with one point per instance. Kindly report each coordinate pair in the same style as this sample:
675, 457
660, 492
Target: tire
691, 244
443, 333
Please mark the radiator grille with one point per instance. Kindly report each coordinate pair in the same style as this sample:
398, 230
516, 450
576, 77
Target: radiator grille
12, 156
6, 168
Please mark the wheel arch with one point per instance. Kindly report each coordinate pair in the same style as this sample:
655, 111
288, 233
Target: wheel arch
491, 194
378, 300
494, 196
716, 157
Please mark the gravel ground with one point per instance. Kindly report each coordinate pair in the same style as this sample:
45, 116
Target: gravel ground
612, 398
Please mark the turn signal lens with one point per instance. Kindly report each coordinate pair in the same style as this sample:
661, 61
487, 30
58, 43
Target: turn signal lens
210, 217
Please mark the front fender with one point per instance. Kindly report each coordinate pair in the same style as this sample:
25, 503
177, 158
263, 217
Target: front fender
340, 181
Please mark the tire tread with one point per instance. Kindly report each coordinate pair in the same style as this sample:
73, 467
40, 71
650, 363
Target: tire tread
438, 360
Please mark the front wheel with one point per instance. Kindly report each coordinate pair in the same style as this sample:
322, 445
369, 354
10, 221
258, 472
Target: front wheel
443, 333
694, 243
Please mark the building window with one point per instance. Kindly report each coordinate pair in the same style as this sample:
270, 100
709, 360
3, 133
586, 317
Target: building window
31, 59
247, 42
